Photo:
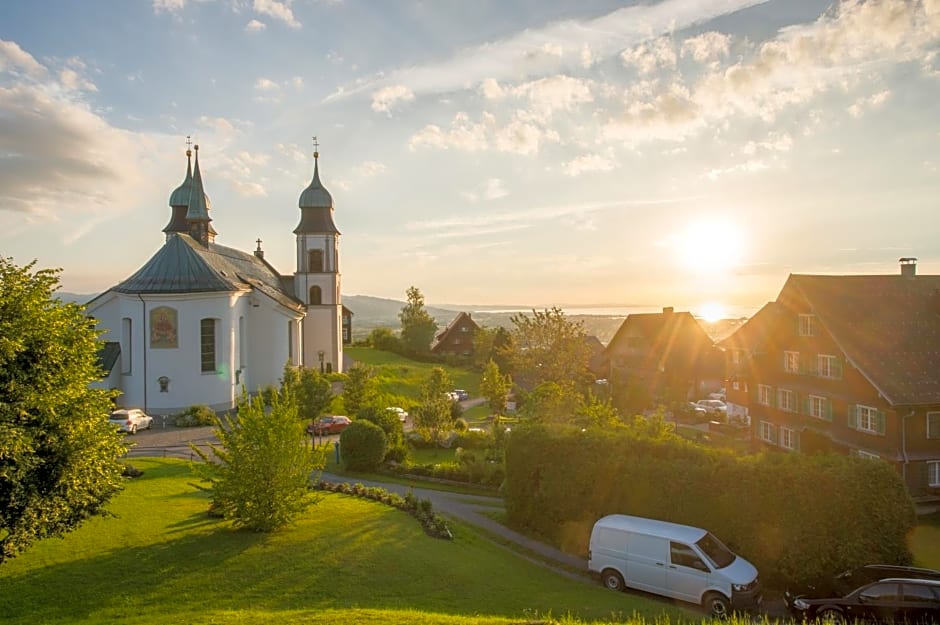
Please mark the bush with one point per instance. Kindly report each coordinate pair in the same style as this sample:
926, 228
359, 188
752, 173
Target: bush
385, 419
362, 446
796, 504
474, 440
194, 416
460, 424
398, 453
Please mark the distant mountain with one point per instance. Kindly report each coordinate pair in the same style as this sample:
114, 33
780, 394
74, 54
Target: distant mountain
75, 298
378, 311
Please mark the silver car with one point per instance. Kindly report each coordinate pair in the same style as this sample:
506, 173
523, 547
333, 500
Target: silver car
130, 420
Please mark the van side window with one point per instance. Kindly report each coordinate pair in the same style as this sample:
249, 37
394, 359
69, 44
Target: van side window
684, 556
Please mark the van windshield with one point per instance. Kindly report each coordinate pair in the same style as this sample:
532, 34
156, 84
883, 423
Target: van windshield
719, 555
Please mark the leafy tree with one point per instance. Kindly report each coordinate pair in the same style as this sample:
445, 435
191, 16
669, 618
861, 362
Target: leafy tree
59, 456
259, 474
438, 383
417, 325
495, 387
384, 339
433, 416
311, 389
362, 446
550, 402
359, 388
597, 412
547, 347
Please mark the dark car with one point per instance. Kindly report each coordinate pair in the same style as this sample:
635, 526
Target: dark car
888, 600
845, 582
461, 394
328, 425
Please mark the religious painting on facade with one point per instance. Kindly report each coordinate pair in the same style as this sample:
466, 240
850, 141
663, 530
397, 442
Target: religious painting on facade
163, 328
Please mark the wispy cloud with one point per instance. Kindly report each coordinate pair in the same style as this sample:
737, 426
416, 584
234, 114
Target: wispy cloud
279, 10
543, 51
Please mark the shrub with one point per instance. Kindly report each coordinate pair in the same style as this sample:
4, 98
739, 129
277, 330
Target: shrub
385, 419
474, 440
194, 416
362, 446
398, 454
460, 424
130, 470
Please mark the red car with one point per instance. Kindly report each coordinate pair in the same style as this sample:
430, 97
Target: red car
328, 425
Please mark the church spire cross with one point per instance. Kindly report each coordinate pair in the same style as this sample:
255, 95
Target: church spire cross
189, 145
316, 147
258, 241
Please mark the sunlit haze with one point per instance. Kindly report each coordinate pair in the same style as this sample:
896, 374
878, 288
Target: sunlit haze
686, 153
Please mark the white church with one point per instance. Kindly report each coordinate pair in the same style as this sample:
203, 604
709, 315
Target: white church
199, 320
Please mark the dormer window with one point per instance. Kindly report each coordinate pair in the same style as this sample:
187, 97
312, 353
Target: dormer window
807, 325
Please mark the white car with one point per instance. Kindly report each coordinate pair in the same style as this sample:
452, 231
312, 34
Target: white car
713, 406
401, 412
130, 420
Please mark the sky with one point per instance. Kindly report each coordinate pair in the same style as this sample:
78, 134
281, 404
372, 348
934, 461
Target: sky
686, 153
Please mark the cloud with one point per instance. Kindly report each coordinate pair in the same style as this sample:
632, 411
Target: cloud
385, 99
278, 10
588, 163
370, 168
707, 47
522, 137
671, 114
775, 142
266, 84
255, 26
170, 6
651, 56
875, 100
513, 59
462, 135
13, 58
71, 80
491, 189
491, 90
249, 189
555, 93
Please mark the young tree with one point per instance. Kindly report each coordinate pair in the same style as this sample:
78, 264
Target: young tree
495, 387
417, 325
59, 456
314, 393
437, 384
546, 347
597, 412
259, 474
550, 402
359, 387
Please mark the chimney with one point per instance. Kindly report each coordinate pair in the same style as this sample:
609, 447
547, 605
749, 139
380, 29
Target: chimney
667, 310
908, 267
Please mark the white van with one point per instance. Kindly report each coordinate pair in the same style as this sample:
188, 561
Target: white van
672, 560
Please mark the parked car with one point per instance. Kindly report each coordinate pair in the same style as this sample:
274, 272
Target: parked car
713, 407
895, 599
130, 420
461, 394
328, 425
843, 583
452, 396
401, 412
719, 395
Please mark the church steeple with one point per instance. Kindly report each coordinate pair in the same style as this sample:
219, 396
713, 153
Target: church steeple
316, 203
179, 199
197, 214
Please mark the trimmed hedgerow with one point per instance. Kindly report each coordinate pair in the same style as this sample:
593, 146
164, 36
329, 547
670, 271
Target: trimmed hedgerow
362, 446
798, 518
421, 509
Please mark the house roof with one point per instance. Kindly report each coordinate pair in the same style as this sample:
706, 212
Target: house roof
669, 337
888, 327
455, 322
757, 330
108, 354
183, 265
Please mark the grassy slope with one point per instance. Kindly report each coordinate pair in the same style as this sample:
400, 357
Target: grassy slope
162, 560
400, 376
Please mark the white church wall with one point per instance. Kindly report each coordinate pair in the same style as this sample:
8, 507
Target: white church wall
268, 349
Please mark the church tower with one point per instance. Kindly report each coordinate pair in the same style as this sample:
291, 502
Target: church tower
317, 280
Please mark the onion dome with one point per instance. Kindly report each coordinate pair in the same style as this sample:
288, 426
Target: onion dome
316, 206
179, 200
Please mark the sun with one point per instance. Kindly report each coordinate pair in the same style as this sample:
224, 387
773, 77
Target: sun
712, 312
709, 245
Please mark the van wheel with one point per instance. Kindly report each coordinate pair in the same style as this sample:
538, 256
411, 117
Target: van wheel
612, 580
717, 605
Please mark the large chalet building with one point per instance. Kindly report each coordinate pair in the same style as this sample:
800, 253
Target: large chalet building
457, 338
846, 363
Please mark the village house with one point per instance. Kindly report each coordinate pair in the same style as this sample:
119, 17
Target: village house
848, 364
457, 338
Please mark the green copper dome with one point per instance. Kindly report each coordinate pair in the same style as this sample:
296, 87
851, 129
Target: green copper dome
180, 196
316, 195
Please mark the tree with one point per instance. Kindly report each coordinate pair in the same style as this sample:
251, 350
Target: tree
259, 474
359, 387
314, 393
597, 412
59, 457
546, 347
417, 325
437, 385
495, 387
550, 402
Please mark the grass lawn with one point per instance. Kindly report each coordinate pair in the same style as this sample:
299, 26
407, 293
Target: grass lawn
402, 378
161, 559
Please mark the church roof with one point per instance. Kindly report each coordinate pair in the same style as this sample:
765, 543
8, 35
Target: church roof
198, 200
183, 265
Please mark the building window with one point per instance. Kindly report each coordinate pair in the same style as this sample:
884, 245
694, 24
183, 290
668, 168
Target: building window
819, 407
345, 334
828, 366
768, 432
736, 385
315, 261
933, 425
933, 473
791, 362
207, 345
807, 325
786, 400
763, 394
127, 340
867, 419
789, 439
242, 344
316, 296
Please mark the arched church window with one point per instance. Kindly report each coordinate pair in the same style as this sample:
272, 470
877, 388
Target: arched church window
207, 344
315, 261
316, 296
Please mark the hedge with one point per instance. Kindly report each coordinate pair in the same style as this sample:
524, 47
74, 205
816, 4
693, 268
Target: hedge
798, 518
